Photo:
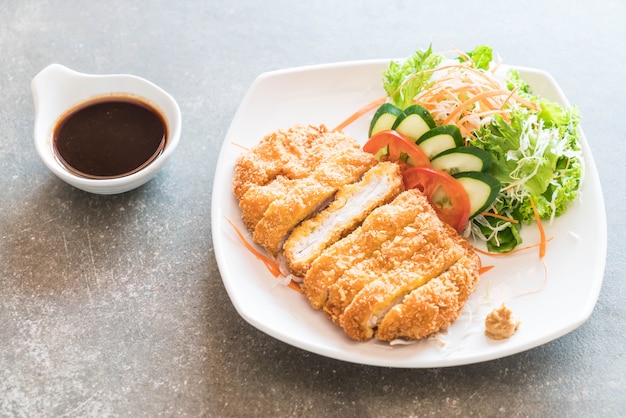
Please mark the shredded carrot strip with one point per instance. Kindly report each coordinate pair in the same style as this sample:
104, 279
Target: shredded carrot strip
528, 103
270, 264
504, 218
467, 87
461, 54
569, 159
509, 97
517, 250
543, 284
240, 146
468, 102
542, 232
430, 70
496, 67
294, 286
485, 269
362, 111
459, 86
472, 116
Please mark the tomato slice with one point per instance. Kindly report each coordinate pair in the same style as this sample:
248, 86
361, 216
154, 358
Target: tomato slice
399, 148
447, 196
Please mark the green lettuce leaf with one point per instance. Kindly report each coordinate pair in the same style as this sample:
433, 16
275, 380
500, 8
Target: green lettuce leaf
403, 81
482, 56
535, 155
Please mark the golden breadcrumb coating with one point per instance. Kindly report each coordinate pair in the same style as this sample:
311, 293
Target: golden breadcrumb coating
257, 199
383, 224
376, 298
309, 194
434, 306
293, 153
290, 175
413, 242
368, 286
352, 203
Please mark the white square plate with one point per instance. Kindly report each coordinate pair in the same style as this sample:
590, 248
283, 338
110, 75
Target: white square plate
549, 302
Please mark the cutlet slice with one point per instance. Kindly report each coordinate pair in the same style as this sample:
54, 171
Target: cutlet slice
308, 195
351, 205
410, 241
257, 199
377, 297
434, 306
381, 225
279, 153
293, 153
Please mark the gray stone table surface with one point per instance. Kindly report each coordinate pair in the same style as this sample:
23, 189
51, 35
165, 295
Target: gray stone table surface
114, 305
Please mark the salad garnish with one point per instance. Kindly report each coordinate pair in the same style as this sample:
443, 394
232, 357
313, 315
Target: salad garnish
533, 143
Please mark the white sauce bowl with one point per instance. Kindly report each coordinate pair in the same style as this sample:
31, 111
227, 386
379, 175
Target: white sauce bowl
57, 89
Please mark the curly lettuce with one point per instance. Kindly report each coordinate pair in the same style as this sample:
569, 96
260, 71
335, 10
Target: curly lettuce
482, 56
535, 155
403, 81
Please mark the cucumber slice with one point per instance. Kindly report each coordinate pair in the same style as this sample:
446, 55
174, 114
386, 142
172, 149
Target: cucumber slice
439, 139
414, 122
384, 118
481, 188
462, 159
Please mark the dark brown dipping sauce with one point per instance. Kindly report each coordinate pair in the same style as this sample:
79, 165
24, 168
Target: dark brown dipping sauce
112, 137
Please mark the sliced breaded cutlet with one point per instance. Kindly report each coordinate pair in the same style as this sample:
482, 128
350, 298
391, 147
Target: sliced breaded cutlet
413, 240
376, 298
375, 258
381, 225
258, 198
308, 195
351, 204
372, 287
290, 175
292, 153
434, 306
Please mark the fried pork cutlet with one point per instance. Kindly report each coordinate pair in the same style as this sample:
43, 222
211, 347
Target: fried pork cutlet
361, 247
433, 306
293, 153
414, 257
351, 204
257, 199
372, 303
408, 242
308, 195
377, 260
291, 175
377, 294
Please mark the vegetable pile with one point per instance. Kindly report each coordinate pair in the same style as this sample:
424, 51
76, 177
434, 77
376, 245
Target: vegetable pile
471, 122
